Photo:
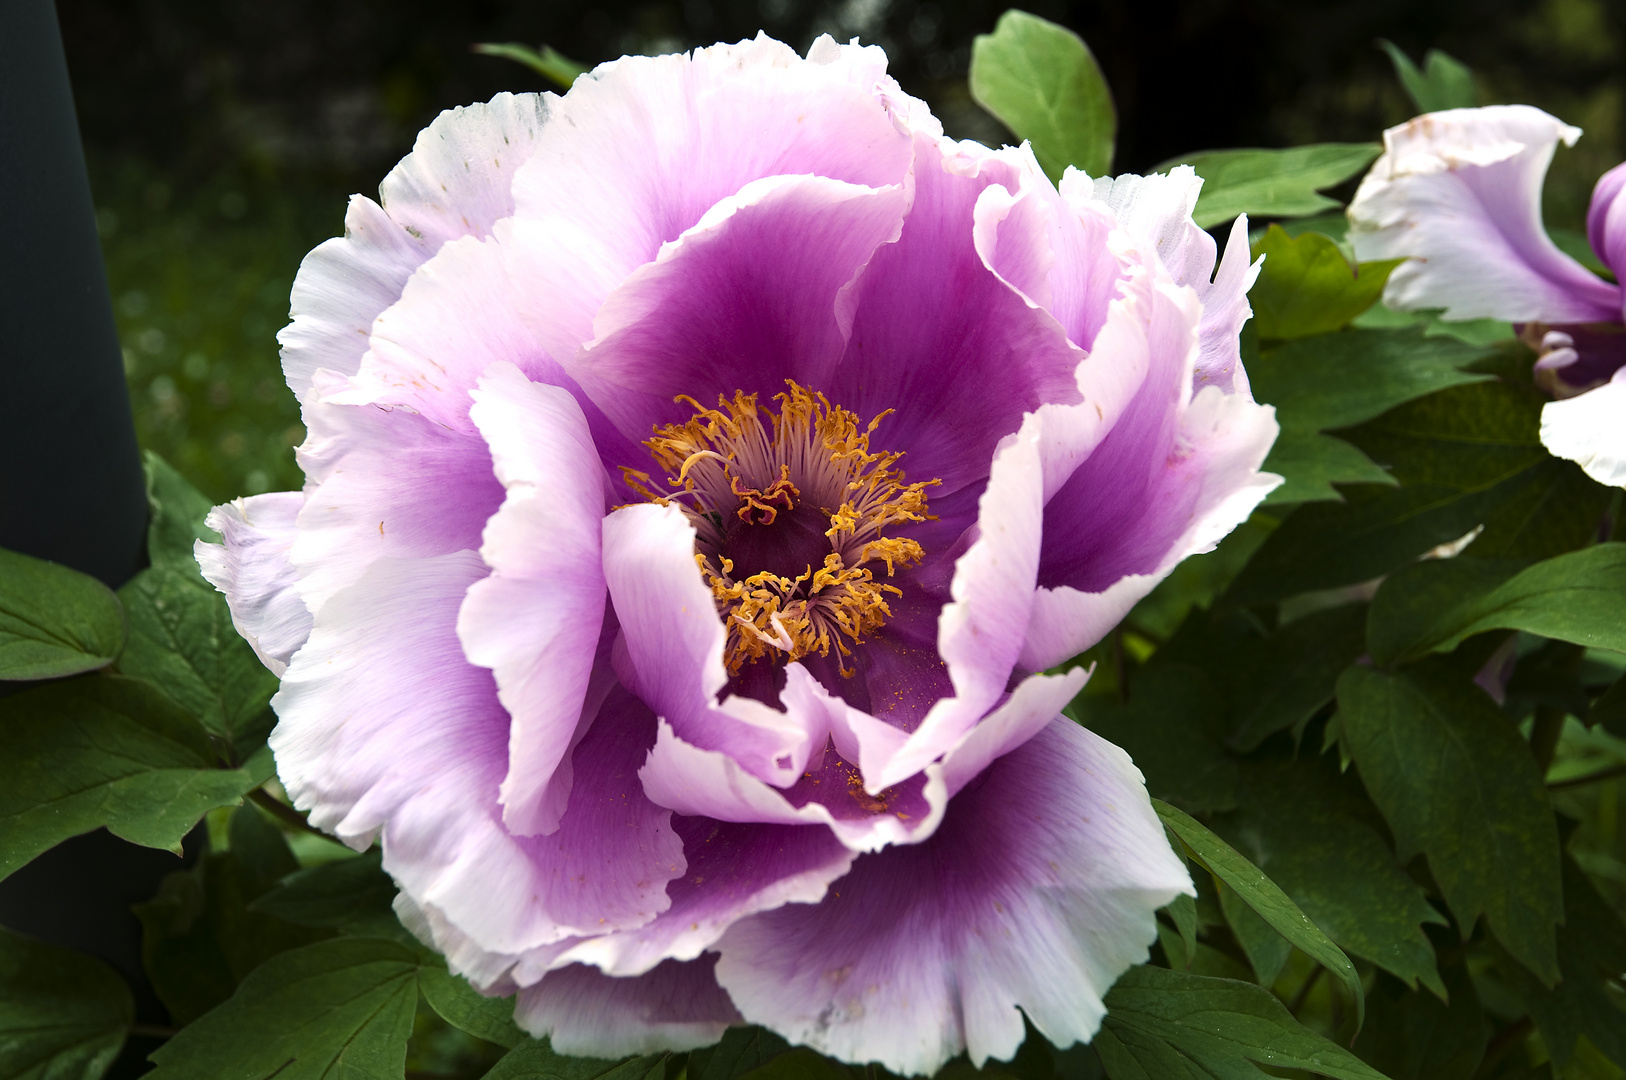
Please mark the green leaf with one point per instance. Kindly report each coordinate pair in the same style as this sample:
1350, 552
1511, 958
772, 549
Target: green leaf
1164, 1025
1042, 82
1337, 380
63, 1015
1434, 605
1457, 783
546, 61
1444, 83
101, 750
741, 1050
465, 1008
200, 938
1285, 679
54, 621
353, 896
1300, 822
800, 1064
336, 1008
181, 635
1266, 898
1610, 709
1266, 950
535, 1060
1412, 1036
1171, 728
1307, 287
1465, 456
1271, 183
1591, 955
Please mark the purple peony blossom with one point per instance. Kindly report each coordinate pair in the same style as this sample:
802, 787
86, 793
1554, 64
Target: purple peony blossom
1458, 194
703, 470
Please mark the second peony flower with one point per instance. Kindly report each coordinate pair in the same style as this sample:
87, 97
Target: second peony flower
707, 472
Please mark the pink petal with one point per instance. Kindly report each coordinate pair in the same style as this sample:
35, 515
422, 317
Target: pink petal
1035, 894
582, 1012
535, 620
251, 567
346, 282
744, 300
1606, 218
384, 726
1458, 193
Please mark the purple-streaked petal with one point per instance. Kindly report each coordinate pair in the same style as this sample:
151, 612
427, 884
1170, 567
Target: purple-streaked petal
1170, 477
1458, 195
385, 727
535, 620
1591, 430
1034, 895
432, 196
585, 1013
251, 567
1606, 219
940, 338
711, 315
652, 143
384, 483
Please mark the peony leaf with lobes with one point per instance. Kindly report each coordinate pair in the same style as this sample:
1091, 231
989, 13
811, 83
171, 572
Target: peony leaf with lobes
335, 1008
62, 1014
1434, 605
1443, 83
1265, 897
1170, 1025
1271, 183
181, 635
1336, 380
1043, 83
1457, 783
106, 751
54, 621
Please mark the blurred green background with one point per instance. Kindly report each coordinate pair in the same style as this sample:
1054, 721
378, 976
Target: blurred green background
223, 136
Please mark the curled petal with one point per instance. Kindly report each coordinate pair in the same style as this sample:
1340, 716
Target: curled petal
583, 1012
1458, 194
1034, 895
251, 567
535, 621
1591, 430
434, 195
1606, 219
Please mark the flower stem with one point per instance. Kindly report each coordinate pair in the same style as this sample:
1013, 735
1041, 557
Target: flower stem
1590, 778
284, 813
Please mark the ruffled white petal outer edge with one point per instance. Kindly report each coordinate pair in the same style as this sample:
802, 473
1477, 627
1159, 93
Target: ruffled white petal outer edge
251, 567
1222, 440
535, 621
1035, 895
432, 196
583, 1012
1590, 429
1458, 195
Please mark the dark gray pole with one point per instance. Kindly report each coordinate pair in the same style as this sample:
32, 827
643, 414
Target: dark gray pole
70, 476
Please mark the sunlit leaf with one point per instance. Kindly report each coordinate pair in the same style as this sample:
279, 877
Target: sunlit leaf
1444, 82
545, 60
1271, 183
1043, 83
1307, 287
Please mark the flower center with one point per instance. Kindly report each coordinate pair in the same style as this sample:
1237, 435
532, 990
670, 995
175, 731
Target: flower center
790, 520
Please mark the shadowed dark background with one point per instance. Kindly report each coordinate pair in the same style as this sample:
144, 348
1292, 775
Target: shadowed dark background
224, 135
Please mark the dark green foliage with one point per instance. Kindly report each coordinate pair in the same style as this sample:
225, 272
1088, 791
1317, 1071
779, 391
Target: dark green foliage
742, 1050
1457, 783
1413, 1036
103, 750
1043, 83
181, 635
63, 1015
351, 895
535, 1060
1168, 1025
334, 1008
201, 936
54, 621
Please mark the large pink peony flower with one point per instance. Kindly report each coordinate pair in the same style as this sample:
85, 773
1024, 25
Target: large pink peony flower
1458, 194
704, 468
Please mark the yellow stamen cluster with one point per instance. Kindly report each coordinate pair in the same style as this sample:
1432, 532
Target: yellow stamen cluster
725, 462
